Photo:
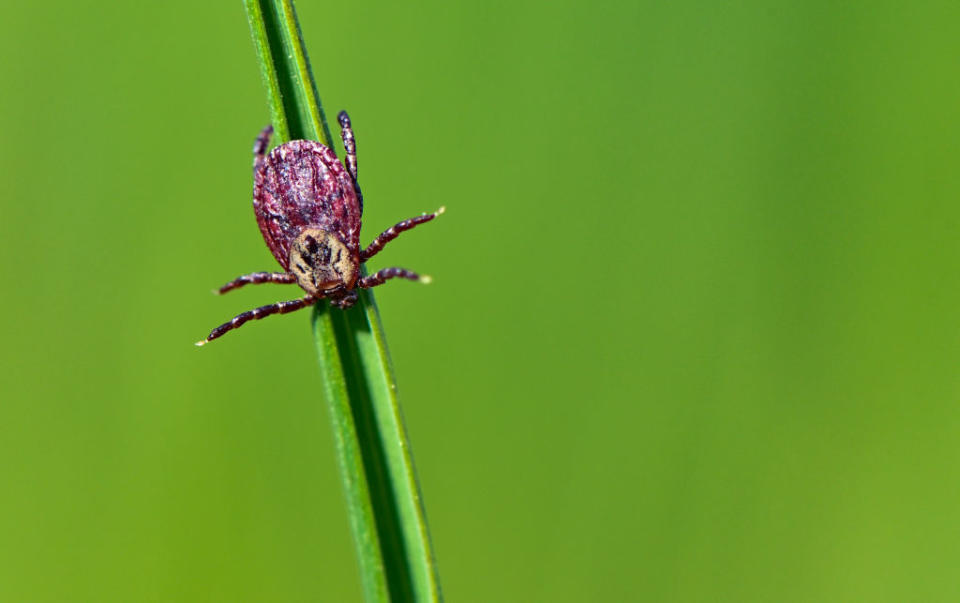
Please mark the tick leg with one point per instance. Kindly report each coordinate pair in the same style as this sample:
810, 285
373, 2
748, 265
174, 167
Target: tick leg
345, 301
349, 143
256, 278
257, 314
350, 146
260, 146
382, 276
394, 231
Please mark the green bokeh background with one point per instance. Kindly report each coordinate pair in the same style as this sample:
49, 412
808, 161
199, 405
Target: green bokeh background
693, 334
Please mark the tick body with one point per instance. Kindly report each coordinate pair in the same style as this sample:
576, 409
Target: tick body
309, 208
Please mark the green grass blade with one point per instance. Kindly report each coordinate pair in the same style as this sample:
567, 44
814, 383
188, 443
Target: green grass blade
383, 499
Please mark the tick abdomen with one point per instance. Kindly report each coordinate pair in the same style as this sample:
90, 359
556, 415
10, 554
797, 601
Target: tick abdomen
301, 185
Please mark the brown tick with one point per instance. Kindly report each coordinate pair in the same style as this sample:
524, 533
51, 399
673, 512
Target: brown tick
308, 206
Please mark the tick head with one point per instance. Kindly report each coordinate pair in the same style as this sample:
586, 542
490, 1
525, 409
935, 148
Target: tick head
321, 262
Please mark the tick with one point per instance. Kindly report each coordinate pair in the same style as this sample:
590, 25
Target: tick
309, 206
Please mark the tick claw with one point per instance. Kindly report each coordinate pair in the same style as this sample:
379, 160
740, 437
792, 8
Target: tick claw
440, 211
201, 343
426, 279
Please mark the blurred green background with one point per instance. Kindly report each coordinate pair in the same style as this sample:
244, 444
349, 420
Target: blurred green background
693, 334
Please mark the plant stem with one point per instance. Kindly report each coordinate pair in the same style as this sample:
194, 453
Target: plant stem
383, 498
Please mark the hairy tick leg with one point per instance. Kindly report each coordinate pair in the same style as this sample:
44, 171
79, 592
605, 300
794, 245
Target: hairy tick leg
260, 145
349, 142
256, 278
257, 314
350, 146
382, 276
394, 231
